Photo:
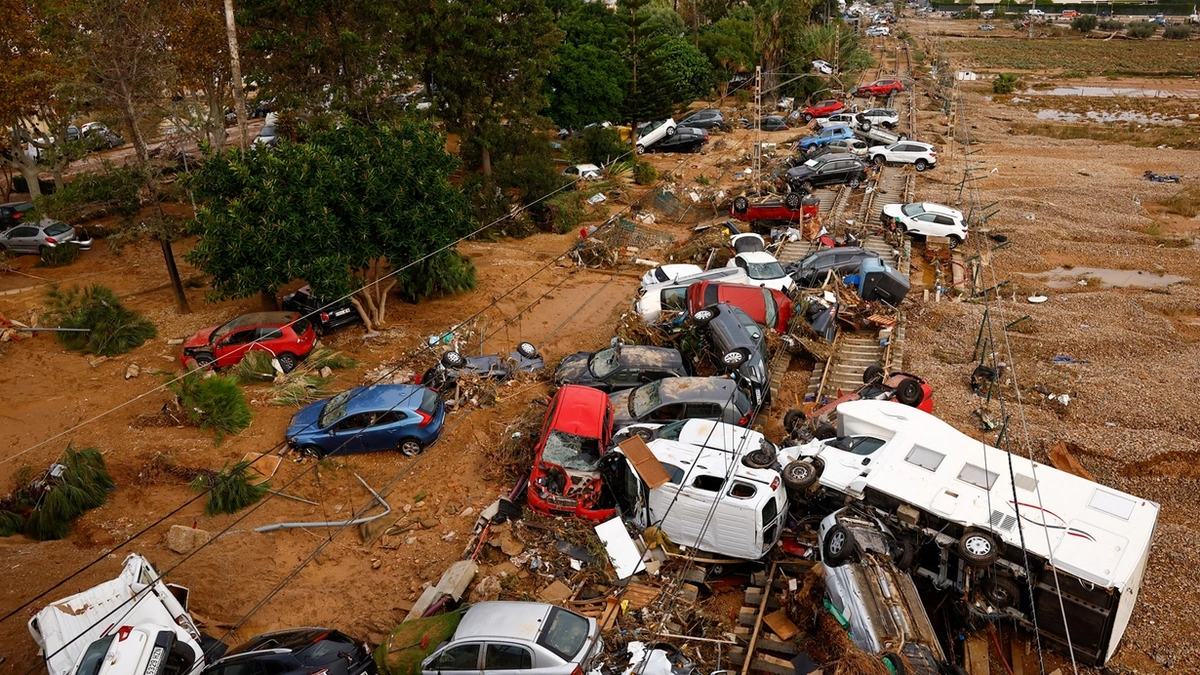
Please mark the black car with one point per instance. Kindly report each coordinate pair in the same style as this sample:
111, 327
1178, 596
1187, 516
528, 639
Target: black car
297, 651
774, 123
832, 169
709, 118
620, 367
12, 213
326, 317
738, 346
685, 139
811, 271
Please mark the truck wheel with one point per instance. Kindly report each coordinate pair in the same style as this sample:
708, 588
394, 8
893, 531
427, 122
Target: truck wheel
838, 546
978, 549
909, 392
793, 419
800, 475
527, 350
453, 359
792, 200
873, 373
762, 458
741, 205
1000, 591
824, 431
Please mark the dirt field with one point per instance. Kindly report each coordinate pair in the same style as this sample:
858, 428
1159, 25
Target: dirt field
1063, 203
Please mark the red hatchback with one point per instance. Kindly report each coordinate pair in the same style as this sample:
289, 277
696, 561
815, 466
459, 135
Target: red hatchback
565, 480
880, 88
768, 307
822, 109
286, 335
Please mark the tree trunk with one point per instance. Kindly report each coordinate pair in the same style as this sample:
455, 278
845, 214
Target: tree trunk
363, 314
181, 301
58, 179
31, 179
486, 159
235, 67
270, 303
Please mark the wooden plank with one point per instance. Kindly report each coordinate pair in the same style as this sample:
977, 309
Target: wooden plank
781, 624
777, 646
976, 655
762, 610
610, 613
773, 666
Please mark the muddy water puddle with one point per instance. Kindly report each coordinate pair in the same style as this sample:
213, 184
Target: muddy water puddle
1061, 277
1108, 117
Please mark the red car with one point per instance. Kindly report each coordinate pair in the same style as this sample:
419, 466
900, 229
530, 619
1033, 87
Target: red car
565, 480
768, 307
286, 335
878, 386
880, 88
822, 109
772, 208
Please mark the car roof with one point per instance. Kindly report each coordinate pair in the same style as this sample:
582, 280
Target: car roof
261, 318
384, 397
659, 356
29, 204
579, 410
504, 619
835, 156
927, 146
817, 256
934, 207
587, 167
696, 388
757, 257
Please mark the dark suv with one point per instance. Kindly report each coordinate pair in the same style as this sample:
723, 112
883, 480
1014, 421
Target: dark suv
326, 317
738, 346
812, 270
831, 169
297, 651
708, 118
620, 367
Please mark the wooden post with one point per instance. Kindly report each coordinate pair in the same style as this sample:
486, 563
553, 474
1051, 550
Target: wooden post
762, 610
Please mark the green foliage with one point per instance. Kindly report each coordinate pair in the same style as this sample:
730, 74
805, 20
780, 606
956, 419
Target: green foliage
446, 273
693, 74
999, 12
44, 508
566, 211
213, 403
113, 328
229, 490
1141, 29
1177, 32
58, 256
729, 42
1111, 24
834, 43
651, 95
95, 194
297, 389
644, 173
255, 367
1085, 23
1007, 83
322, 357
598, 145
586, 85
11, 522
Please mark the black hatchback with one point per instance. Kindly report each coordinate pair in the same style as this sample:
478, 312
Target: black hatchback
326, 317
297, 651
832, 169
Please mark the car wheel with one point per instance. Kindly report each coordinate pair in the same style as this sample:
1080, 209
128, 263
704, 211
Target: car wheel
762, 458
287, 361
955, 241
527, 350
311, 451
838, 546
800, 475
1000, 591
792, 200
807, 186
903, 555
734, 359
793, 419
889, 125
866, 125
873, 374
670, 131
854, 182
204, 359
643, 433
453, 359
878, 160
978, 549
741, 205
921, 165
894, 664
824, 432
703, 316
409, 447
909, 392
641, 149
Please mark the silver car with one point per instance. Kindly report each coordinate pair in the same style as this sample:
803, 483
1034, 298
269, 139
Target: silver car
35, 238
533, 638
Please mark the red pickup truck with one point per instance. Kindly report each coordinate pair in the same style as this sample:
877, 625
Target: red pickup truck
822, 109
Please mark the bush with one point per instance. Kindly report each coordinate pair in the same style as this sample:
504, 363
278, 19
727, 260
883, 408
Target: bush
1007, 83
1141, 29
446, 273
58, 256
1084, 23
229, 490
44, 508
644, 173
213, 403
566, 210
111, 191
1111, 24
113, 328
1177, 32
598, 145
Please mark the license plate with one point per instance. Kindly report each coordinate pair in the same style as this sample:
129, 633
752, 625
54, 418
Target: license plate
340, 312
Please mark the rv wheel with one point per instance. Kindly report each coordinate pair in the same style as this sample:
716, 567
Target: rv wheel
761, 458
1000, 591
872, 373
800, 475
894, 663
825, 432
978, 549
838, 546
793, 419
453, 359
909, 392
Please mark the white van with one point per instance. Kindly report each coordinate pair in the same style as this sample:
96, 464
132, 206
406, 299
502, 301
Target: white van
674, 481
1086, 544
123, 626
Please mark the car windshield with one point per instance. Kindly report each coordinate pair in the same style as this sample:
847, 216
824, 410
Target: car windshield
571, 452
912, 209
645, 398
335, 409
268, 130
764, 270
671, 431
565, 633
93, 658
604, 362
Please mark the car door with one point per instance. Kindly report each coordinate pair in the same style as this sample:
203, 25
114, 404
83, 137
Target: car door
347, 434
834, 172
456, 658
623, 377
23, 239
384, 430
925, 224
843, 466
906, 153
230, 348
507, 659
269, 339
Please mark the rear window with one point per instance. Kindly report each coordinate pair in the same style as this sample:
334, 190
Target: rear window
710, 294
565, 633
56, 229
742, 401
300, 326
93, 658
429, 402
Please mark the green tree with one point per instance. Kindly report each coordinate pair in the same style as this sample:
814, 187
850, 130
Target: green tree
693, 74
342, 210
652, 84
586, 85
1085, 23
729, 45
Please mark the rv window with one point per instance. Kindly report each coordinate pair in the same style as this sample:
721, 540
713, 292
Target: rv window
858, 445
742, 490
977, 476
674, 472
709, 483
925, 458
1112, 504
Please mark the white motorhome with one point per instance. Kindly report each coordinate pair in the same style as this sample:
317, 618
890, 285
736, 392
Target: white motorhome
123, 626
997, 528
698, 482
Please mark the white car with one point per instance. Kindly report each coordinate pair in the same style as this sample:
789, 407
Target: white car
666, 274
921, 155
1036, 12
671, 296
823, 67
583, 172
650, 133
846, 118
927, 219
878, 31
762, 267
878, 117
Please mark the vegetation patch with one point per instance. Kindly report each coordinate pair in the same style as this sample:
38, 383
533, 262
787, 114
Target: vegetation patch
213, 403
1112, 57
95, 194
1186, 202
59, 256
44, 507
111, 328
229, 490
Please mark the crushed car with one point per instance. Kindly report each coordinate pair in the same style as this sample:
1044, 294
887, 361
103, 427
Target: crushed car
565, 478
453, 366
620, 367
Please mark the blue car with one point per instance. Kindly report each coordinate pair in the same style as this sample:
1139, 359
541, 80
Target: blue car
824, 137
404, 417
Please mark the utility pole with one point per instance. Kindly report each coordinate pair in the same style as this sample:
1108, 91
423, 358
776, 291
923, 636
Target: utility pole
757, 124
235, 66
1032, 6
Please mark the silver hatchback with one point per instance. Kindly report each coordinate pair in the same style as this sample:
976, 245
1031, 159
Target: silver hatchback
499, 638
35, 238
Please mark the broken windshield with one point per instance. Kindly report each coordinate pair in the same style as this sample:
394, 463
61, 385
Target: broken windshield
604, 362
764, 270
335, 409
571, 452
645, 398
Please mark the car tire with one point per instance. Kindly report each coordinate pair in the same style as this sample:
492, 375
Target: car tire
909, 392
904, 554
409, 447
878, 160
527, 350
800, 475
287, 361
955, 241
312, 451
641, 149
732, 360
793, 420
762, 458
889, 125
806, 117
807, 186
1000, 591
854, 183
670, 131
866, 125
921, 165
903, 137
894, 663
741, 205
204, 360
453, 359
873, 373
702, 316
978, 549
792, 200
42, 250
643, 433
824, 432
837, 547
